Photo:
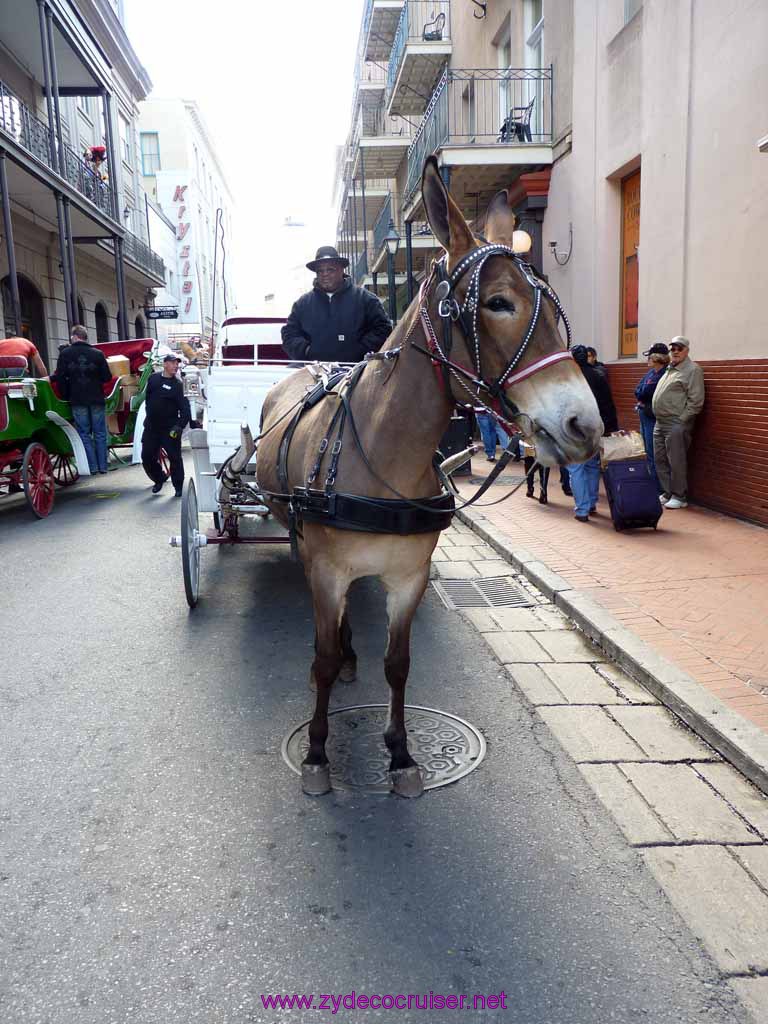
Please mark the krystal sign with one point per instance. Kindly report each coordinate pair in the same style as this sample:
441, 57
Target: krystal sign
190, 300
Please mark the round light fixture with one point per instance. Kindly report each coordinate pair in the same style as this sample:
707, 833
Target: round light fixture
521, 242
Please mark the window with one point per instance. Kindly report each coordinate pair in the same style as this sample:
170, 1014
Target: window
534, 58
631, 7
150, 152
102, 322
84, 106
125, 139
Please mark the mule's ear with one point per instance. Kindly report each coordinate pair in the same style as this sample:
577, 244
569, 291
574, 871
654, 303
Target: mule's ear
500, 220
444, 216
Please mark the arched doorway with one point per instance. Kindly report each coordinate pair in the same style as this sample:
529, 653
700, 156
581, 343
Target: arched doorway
32, 313
80, 311
102, 322
140, 328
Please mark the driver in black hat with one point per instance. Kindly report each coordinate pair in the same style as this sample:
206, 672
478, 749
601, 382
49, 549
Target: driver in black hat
337, 321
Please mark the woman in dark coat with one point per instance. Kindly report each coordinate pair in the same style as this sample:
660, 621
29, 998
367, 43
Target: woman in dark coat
658, 359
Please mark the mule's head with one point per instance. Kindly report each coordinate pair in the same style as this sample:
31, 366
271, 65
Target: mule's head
553, 407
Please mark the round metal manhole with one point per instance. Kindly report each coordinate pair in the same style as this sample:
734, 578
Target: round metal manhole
446, 747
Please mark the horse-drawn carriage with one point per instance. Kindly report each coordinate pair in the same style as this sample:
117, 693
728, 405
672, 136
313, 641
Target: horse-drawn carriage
39, 445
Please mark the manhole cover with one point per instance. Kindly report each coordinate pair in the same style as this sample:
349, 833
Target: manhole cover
489, 592
446, 747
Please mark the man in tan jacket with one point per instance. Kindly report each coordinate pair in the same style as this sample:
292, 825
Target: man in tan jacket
677, 401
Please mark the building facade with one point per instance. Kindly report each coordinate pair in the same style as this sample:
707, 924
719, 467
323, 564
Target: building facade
75, 241
628, 135
182, 174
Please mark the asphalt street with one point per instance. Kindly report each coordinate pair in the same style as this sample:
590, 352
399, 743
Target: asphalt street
159, 864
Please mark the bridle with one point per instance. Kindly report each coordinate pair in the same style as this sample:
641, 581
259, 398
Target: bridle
465, 314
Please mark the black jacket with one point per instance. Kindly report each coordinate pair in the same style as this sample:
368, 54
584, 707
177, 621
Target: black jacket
341, 329
166, 405
80, 372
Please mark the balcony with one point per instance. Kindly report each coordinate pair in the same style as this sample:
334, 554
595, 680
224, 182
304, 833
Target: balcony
370, 84
376, 193
379, 26
139, 252
420, 50
381, 143
423, 243
29, 133
484, 123
360, 267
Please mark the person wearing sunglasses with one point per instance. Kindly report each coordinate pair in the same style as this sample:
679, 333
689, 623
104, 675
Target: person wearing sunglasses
336, 322
677, 401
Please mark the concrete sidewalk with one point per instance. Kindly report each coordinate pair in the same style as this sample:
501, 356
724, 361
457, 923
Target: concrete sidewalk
683, 608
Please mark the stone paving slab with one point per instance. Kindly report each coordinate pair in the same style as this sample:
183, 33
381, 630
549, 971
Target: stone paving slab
753, 993
740, 794
660, 735
568, 645
627, 687
588, 734
719, 902
534, 684
511, 647
491, 566
689, 808
580, 684
755, 860
450, 570
628, 809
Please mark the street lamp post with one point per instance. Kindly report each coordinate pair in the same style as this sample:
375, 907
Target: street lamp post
392, 240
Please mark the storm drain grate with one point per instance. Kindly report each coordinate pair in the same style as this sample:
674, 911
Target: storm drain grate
490, 592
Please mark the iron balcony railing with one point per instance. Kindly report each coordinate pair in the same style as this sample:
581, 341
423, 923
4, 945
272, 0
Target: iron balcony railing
361, 267
483, 107
421, 21
34, 135
377, 123
367, 72
381, 226
141, 254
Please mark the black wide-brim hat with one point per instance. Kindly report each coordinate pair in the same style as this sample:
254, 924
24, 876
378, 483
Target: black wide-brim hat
327, 254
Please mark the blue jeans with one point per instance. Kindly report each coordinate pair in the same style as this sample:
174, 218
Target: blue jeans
489, 431
585, 484
91, 420
647, 423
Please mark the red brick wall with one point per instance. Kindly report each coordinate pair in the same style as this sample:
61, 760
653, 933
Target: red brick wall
729, 454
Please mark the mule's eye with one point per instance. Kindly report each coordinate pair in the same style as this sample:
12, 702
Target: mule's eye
498, 304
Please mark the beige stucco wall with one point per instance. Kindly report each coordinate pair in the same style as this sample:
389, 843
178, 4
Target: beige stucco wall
680, 92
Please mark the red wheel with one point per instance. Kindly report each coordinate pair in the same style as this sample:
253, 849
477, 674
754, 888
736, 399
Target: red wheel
65, 471
37, 479
165, 462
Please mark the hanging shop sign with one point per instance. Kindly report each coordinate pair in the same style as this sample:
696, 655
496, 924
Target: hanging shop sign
161, 312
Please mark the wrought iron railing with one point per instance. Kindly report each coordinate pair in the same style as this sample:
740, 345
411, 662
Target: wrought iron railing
361, 266
380, 227
483, 107
377, 123
420, 21
34, 135
141, 254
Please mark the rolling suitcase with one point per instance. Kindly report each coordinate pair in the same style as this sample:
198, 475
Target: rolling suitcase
632, 494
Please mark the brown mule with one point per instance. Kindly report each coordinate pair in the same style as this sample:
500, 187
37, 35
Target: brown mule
401, 409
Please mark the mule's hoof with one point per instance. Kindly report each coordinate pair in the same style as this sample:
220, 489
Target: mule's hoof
407, 782
315, 779
348, 672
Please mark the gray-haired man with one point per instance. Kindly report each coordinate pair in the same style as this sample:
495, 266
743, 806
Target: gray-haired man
677, 401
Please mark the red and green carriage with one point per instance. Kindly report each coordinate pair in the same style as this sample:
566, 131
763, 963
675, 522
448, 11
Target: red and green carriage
39, 446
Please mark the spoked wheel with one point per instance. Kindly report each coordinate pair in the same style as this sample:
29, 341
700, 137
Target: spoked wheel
37, 479
190, 552
165, 462
65, 471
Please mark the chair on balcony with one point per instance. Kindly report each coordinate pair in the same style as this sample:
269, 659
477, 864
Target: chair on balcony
433, 30
517, 124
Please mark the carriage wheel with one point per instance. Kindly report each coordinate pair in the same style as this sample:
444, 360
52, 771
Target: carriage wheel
190, 552
65, 471
37, 479
165, 462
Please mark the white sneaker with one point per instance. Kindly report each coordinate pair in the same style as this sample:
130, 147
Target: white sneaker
663, 498
675, 503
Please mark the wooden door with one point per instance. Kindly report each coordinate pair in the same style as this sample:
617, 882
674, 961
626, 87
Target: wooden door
630, 271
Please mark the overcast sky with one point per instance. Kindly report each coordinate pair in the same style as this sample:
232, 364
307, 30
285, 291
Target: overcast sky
273, 80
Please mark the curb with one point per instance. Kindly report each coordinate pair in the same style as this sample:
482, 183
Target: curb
733, 737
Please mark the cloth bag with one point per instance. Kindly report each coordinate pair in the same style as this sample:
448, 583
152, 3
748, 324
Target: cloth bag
624, 444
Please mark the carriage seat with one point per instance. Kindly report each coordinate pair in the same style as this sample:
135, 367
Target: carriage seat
13, 367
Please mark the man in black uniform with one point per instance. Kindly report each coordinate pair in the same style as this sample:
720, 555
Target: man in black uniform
167, 414
336, 322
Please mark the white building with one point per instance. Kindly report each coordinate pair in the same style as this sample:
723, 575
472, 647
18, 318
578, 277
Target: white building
182, 174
